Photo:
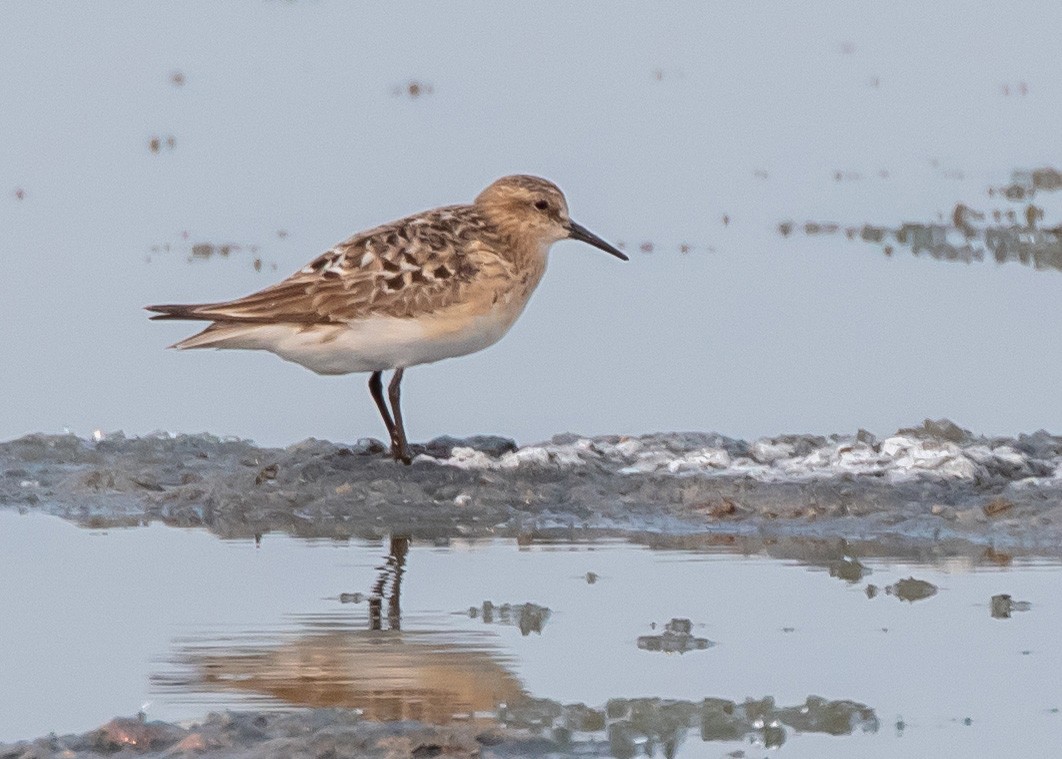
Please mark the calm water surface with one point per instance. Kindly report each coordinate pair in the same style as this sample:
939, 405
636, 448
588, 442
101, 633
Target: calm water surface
695, 124
177, 622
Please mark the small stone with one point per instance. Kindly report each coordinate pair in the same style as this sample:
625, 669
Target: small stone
266, 473
970, 516
136, 732
492, 445
191, 742
367, 446
997, 506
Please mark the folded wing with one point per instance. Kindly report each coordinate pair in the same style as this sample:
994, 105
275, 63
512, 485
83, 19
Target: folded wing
412, 266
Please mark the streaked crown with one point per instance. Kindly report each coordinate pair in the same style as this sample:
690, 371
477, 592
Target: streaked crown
526, 206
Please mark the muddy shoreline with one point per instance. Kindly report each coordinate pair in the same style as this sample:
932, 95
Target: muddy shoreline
926, 493
924, 489
535, 728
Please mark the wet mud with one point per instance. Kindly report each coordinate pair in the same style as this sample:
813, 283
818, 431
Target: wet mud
368, 686
535, 727
919, 489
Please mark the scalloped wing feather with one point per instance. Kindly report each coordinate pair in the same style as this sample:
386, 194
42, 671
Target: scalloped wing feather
413, 266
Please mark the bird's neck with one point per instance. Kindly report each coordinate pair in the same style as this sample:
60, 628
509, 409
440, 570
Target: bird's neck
521, 244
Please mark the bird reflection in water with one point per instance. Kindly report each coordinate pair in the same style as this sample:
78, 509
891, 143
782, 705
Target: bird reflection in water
333, 661
389, 584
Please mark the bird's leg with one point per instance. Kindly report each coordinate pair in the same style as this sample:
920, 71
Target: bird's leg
399, 447
376, 388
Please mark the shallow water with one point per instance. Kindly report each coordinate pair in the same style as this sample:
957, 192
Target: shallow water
293, 125
178, 622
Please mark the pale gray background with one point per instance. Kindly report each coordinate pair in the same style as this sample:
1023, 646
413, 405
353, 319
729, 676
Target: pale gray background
653, 118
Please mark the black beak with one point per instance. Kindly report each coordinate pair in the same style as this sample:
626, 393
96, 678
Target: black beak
581, 233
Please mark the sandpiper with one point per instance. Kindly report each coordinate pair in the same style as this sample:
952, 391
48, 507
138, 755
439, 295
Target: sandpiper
441, 283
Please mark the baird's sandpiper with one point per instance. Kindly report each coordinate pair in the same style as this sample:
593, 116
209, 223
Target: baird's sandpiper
441, 283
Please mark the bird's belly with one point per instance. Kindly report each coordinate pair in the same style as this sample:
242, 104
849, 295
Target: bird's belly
380, 343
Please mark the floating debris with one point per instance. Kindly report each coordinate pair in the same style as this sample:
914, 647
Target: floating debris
156, 144
1040, 248
660, 74
529, 617
911, 590
967, 238
677, 638
413, 89
1025, 183
177, 78
815, 228
203, 251
848, 569
1003, 605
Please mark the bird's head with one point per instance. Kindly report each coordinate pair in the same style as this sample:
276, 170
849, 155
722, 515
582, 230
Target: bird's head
534, 209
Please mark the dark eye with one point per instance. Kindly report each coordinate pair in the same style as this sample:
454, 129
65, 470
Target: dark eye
542, 205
